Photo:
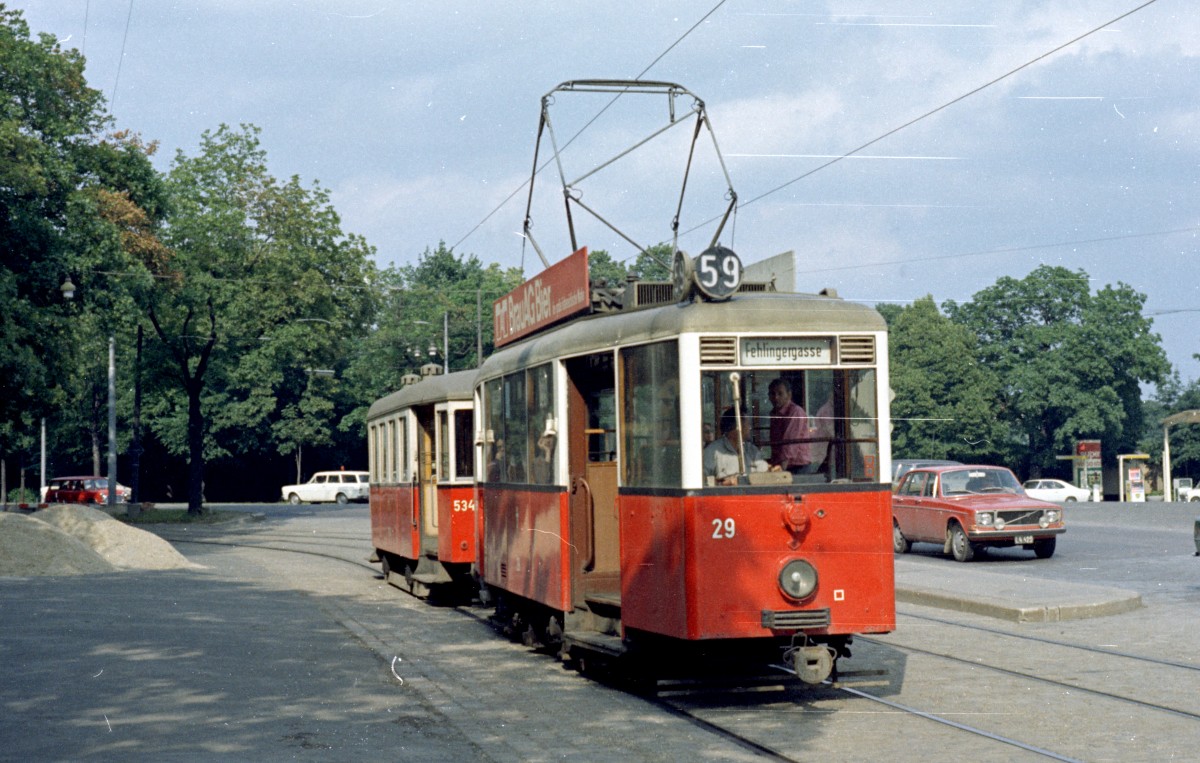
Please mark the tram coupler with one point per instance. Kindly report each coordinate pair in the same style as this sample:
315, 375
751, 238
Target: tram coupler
813, 664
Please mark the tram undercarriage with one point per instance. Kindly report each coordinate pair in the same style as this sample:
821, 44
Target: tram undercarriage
590, 643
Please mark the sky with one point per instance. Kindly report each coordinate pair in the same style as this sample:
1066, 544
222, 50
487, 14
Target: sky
981, 140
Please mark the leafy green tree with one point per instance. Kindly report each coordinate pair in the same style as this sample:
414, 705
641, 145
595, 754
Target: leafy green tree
1173, 397
264, 286
1070, 363
418, 303
945, 400
69, 196
603, 269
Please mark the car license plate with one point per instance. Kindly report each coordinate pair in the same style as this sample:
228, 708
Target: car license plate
1023, 539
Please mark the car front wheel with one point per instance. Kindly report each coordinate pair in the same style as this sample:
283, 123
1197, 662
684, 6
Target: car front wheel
900, 544
294, 499
960, 546
342, 499
1044, 549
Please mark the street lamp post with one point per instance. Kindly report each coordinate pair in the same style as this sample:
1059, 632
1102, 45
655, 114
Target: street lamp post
68, 292
112, 422
445, 341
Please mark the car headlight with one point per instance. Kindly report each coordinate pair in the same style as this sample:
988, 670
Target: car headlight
984, 518
1050, 517
798, 579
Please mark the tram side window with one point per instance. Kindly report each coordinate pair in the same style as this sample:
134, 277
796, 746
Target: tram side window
494, 426
543, 429
373, 450
399, 445
443, 446
464, 451
650, 455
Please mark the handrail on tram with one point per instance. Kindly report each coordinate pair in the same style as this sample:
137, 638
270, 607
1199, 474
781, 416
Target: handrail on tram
589, 542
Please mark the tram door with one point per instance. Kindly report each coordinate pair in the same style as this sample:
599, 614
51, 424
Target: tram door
425, 512
591, 427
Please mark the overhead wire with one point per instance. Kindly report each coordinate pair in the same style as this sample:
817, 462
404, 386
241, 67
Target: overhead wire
112, 102
935, 110
948, 104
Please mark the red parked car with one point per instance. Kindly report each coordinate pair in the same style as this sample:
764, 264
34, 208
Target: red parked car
90, 489
966, 508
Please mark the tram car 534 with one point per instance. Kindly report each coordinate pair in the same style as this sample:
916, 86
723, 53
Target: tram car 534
421, 451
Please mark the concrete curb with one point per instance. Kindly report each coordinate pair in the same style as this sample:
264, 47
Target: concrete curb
1008, 597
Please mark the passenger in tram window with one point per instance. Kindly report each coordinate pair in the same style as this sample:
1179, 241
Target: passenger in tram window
709, 434
789, 431
721, 455
820, 434
516, 470
495, 469
543, 462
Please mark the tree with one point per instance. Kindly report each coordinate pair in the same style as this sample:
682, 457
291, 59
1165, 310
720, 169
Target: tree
945, 399
1070, 363
418, 302
264, 285
70, 199
1173, 397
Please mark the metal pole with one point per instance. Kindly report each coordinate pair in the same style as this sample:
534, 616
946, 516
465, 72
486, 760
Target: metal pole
478, 328
112, 422
42, 487
446, 342
1166, 465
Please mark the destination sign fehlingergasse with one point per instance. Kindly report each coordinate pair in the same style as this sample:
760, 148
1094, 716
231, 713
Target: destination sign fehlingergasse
787, 352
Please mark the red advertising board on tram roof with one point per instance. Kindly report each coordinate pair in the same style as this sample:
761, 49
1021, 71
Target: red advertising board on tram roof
557, 293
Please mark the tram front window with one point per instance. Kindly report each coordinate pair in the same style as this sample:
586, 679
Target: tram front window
650, 455
819, 425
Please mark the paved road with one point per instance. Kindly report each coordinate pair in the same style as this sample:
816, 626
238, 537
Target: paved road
269, 656
283, 656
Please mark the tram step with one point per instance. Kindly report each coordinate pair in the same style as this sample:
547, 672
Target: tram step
598, 642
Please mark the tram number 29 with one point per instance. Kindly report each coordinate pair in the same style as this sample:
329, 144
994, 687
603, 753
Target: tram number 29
464, 505
724, 528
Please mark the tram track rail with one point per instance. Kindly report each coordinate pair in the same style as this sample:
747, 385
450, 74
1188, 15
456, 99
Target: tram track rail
677, 703
1055, 642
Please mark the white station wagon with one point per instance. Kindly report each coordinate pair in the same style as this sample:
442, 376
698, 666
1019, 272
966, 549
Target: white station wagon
327, 487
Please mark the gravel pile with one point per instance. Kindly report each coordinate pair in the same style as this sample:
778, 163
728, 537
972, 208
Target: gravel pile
78, 540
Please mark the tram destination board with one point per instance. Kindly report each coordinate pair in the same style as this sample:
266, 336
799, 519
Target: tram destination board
787, 351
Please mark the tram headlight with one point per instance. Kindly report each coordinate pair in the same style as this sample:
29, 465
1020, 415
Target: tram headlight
798, 579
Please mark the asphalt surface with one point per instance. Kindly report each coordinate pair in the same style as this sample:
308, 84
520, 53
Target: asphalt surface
284, 660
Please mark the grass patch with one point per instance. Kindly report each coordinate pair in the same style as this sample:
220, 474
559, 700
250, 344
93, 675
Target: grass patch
181, 517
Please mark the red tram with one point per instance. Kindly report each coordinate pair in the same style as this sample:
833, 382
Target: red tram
611, 532
420, 448
684, 474
635, 502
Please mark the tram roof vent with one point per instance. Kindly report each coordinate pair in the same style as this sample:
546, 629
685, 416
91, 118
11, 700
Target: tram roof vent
856, 350
648, 293
718, 350
431, 369
641, 294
